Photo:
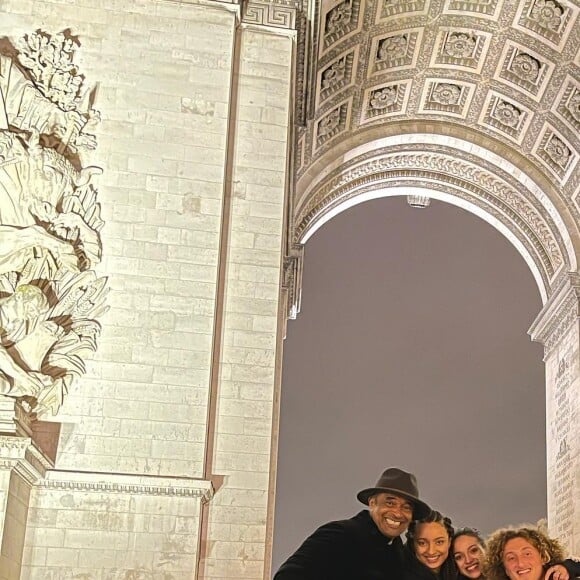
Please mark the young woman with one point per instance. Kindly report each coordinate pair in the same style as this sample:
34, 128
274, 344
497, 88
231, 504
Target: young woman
526, 553
427, 549
468, 549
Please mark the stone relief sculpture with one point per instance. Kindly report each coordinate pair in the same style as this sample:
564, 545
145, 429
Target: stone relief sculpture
50, 296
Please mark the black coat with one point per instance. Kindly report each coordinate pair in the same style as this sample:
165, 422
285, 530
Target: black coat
573, 567
351, 549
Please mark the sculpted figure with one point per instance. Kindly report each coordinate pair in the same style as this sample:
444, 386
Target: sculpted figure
34, 182
42, 346
49, 226
20, 314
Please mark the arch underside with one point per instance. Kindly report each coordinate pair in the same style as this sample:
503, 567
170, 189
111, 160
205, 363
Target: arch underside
496, 194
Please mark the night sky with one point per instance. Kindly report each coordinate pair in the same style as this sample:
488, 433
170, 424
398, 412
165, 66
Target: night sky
411, 350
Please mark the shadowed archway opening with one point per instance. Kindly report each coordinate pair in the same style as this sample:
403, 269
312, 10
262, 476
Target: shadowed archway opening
411, 349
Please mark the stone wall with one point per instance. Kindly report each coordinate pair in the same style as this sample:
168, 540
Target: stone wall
179, 399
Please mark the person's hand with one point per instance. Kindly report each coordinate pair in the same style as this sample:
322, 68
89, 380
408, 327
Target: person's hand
557, 572
67, 225
61, 250
28, 383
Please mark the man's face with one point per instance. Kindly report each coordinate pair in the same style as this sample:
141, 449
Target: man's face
391, 513
522, 560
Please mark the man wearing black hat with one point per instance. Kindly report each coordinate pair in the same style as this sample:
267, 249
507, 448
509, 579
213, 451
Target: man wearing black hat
367, 546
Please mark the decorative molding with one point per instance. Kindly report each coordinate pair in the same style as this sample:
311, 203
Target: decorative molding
20, 454
567, 104
482, 8
338, 22
337, 75
384, 101
332, 124
389, 9
480, 186
477, 47
120, 483
558, 314
274, 14
292, 280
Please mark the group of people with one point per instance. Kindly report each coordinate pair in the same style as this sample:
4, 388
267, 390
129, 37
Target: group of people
368, 546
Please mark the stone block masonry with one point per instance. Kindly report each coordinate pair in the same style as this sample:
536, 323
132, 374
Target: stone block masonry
179, 399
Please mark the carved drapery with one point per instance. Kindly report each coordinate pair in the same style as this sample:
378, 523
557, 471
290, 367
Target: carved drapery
50, 295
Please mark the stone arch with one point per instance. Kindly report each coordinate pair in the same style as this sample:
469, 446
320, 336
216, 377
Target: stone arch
495, 181
458, 167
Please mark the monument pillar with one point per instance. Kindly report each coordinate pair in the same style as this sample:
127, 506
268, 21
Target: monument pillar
22, 464
557, 327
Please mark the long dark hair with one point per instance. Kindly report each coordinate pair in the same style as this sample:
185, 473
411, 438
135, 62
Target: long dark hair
416, 568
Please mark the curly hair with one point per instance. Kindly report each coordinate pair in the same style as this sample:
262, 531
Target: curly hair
550, 550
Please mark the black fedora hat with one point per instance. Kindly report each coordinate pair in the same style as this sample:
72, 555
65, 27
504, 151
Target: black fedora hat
401, 483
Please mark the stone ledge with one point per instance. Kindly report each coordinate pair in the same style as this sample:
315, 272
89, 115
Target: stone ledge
126, 483
22, 455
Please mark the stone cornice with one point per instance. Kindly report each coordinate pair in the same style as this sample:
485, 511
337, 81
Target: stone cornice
99, 482
21, 455
558, 314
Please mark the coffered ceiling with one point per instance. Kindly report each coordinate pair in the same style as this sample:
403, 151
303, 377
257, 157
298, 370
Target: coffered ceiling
500, 72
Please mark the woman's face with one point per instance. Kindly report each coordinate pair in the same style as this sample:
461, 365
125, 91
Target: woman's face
432, 545
468, 554
522, 560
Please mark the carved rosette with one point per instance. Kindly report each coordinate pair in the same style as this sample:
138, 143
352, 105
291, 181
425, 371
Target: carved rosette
50, 296
507, 114
525, 67
383, 98
460, 44
557, 153
548, 14
446, 94
525, 70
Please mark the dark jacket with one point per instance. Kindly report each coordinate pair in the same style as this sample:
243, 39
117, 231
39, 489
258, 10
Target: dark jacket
573, 567
351, 549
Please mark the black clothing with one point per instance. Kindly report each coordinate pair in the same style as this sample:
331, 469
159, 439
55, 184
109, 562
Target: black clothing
573, 567
352, 549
